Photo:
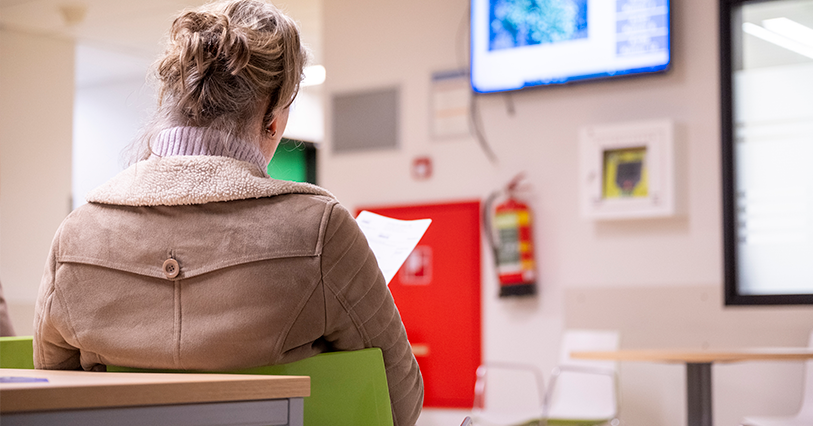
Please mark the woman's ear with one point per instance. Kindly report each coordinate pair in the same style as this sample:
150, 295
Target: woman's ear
273, 127
278, 123
273, 133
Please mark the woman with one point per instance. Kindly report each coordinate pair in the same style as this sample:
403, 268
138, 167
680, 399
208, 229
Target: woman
193, 258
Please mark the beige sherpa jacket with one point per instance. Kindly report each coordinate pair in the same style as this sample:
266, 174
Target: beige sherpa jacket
205, 263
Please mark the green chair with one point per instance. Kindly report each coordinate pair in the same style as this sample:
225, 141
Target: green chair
347, 388
16, 352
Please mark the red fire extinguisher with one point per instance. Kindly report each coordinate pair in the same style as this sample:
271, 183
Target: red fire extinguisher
511, 238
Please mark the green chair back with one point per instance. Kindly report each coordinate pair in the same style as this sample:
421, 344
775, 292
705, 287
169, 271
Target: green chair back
17, 352
347, 388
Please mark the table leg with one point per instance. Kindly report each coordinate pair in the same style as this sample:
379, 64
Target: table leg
296, 411
698, 393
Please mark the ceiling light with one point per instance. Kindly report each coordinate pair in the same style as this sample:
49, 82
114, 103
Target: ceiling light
790, 29
782, 41
314, 75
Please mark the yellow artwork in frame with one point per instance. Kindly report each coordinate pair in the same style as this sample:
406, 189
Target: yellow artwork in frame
627, 170
625, 173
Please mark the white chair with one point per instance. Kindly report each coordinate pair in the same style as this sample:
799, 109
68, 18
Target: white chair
804, 417
579, 392
522, 380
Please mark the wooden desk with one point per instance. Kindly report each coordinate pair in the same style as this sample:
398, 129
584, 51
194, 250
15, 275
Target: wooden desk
698, 369
89, 398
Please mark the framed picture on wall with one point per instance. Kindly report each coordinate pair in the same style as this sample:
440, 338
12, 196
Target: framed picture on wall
627, 170
625, 173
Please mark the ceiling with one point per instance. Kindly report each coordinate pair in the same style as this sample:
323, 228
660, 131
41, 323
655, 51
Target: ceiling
118, 39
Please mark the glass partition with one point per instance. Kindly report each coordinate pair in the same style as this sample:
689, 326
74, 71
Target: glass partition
767, 122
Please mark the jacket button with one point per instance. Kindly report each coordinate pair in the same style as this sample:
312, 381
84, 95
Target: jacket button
171, 268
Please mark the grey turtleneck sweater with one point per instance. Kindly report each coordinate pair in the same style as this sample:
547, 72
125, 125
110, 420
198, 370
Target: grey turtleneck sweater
206, 141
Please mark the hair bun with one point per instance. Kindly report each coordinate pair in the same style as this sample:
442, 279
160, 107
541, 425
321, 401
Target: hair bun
235, 49
203, 38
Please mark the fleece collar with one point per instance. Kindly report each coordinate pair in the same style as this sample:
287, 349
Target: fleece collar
185, 180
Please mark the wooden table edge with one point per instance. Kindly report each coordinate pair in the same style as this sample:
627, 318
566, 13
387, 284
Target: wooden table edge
188, 389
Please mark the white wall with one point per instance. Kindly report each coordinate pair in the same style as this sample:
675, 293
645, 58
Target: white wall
36, 104
306, 121
380, 43
107, 119
113, 99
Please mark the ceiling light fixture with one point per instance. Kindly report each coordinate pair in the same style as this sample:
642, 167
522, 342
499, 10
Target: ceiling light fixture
314, 75
790, 29
782, 34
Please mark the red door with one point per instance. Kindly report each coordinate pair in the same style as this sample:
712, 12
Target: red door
437, 292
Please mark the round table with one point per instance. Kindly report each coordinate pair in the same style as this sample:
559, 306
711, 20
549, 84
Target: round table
698, 368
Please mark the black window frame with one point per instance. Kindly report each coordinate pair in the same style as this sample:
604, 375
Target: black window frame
733, 297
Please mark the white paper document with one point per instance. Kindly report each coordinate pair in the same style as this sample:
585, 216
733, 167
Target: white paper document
391, 240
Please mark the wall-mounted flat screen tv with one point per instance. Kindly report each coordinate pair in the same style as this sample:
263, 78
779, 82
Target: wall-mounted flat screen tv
525, 43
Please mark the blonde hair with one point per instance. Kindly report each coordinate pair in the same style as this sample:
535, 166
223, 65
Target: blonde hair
226, 63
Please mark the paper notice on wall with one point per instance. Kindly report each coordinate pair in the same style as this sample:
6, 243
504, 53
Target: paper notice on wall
391, 240
451, 98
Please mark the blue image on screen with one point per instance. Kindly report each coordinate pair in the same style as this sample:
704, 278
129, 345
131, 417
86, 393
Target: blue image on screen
516, 23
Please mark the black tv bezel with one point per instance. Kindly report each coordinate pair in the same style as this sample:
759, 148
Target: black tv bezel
586, 78
733, 296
